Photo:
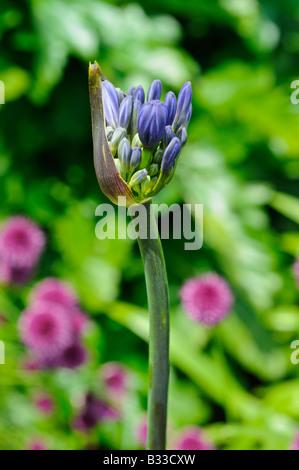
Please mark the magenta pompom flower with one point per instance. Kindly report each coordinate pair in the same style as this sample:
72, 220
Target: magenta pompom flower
21, 242
44, 403
192, 439
115, 378
94, 411
296, 272
37, 444
46, 328
54, 291
295, 443
141, 432
207, 299
15, 275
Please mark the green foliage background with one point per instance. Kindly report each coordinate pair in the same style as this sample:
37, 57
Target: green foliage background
241, 161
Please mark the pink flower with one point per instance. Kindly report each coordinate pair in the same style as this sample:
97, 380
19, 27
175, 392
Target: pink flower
192, 439
54, 291
12, 275
21, 243
45, 328
295, 443
141, 432
296, 272
94, 411
79, 321
44, 403
72, 356
36, 444
207, 299
115, 378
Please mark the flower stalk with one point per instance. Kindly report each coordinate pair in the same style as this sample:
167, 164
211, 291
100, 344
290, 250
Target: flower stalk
158, 305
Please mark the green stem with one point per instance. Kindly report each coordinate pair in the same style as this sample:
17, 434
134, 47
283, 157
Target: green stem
158, 304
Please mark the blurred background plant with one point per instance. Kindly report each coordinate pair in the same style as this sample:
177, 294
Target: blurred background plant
236, 380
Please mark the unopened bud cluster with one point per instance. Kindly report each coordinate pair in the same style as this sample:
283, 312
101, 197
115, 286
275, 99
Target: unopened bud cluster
145, 136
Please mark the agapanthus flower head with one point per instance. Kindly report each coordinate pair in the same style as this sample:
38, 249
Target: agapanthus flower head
192, 439
207, 299
52, 290
44, 403
115, 378
21, 243
148, 125
46, 328
296, 272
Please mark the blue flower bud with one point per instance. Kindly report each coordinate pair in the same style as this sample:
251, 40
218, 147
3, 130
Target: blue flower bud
158, 156
151, 122
167, 136
139, 94
182, 135
188, 117
124, 153
109, 132
170, 103
120, 95
153, 169
170, 155
138, 177
184, 101
155, 90
135, 158
118, 165
136, 142
110, 99
146, 184
125, 112
131, 90
118, 135
135, 115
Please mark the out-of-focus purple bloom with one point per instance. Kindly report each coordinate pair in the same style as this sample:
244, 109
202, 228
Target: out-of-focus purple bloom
141, 432
170, 103
45, 328
155, 90
111, 103
52, 290
21, 243
37, 444
207, 299
125, 112
295, 443
72, 356
151, 122
192, 439
170, 155
183, 106
79, 321
94, 411
131, 90
296, 272
15, 275
115, 378
44, 403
